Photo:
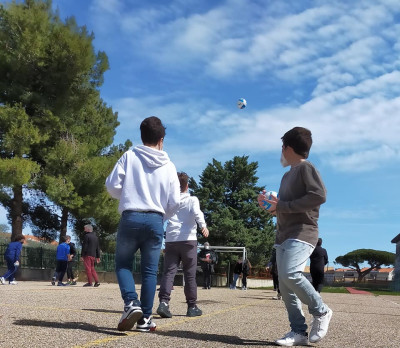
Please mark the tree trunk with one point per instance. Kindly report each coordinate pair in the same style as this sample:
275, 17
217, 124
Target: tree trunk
16, 212
64, 222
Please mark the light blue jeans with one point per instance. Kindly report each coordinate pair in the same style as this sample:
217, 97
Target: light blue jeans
144, 232
291, 258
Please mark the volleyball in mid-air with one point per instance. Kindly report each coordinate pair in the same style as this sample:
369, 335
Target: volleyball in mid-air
241, 103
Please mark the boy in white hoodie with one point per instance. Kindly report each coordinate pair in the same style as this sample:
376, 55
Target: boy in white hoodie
181, 245
145, 182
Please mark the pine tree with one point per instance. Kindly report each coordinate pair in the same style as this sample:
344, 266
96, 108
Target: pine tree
228, 198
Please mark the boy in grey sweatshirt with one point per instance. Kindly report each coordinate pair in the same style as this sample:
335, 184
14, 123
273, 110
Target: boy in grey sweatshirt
297, 210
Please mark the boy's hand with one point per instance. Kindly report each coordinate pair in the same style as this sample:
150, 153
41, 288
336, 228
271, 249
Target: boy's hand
98, 260
262, 197
205, 231
16, 263
273, 201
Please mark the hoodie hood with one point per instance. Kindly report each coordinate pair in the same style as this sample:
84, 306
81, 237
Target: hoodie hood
152, 157
184, 195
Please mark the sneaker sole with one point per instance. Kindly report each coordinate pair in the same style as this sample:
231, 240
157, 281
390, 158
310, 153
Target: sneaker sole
145, 329
130, 321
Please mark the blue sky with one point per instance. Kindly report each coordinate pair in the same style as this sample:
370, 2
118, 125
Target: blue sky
330, 66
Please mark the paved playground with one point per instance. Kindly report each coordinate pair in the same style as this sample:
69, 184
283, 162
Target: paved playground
36, 314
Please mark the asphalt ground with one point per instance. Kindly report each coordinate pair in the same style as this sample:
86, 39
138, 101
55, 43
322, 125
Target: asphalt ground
37, 314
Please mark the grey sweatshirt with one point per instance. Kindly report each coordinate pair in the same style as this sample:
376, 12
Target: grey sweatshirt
300, 195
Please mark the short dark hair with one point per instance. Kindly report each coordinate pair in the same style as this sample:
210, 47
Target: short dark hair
299, 139
63, 239
319, 243
183, 180
152, 130
19, 237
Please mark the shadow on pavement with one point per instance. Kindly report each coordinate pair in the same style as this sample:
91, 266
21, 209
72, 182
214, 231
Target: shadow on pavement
68, 325
227, 339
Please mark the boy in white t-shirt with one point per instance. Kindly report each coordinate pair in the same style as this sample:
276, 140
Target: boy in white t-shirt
181, 245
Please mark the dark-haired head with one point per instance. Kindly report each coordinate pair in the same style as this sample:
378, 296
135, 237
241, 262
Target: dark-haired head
152, 130
299, 139
19, 238
319, 243
183, 180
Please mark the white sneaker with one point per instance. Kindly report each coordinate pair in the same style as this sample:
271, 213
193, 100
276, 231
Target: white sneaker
320, 325
132, 313
146, 324
13, 282
2, 280
293, 339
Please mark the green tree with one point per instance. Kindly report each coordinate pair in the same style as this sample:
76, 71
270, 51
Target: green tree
375, 258
4, 228
50, 76
228, 198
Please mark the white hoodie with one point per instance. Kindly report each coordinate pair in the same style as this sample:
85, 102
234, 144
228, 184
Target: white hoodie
144, 179
182, 226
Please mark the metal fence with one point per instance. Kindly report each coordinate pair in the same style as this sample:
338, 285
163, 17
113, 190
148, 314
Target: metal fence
45, 258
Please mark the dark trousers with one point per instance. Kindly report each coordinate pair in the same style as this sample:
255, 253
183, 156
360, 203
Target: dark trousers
61, 269
175, 252
244, 280
70, 271
207, 276
317, 279
11, 270
275, 281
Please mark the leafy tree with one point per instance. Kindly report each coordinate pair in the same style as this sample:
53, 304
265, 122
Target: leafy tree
4, 228
46, 224
375, 259
50, 106
228, 197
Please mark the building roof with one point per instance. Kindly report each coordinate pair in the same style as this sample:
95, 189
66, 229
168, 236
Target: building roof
396, 239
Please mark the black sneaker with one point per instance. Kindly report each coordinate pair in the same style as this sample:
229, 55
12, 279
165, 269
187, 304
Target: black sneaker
87, 284
96, 285
194, 311
163, 310
73, 282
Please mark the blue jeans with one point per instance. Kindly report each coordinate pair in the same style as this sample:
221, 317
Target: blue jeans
291, 258
144, 232
12, 269
235, 278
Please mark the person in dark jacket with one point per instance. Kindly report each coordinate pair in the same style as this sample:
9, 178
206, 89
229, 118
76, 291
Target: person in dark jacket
90, 254
236, 272
245, 271
318, 260
208, 258
12, 256
71, 264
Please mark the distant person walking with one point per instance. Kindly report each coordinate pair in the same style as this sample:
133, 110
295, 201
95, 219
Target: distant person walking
208, 258
181, 246
63, 256
318, 260
145, 181
71, 264
273, 269
245, 271
12, 257
90, 255
237, 271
